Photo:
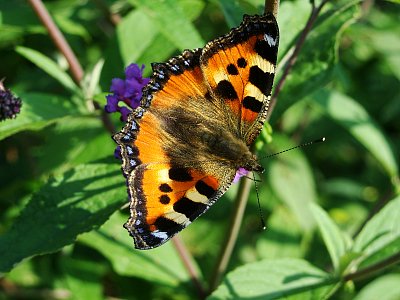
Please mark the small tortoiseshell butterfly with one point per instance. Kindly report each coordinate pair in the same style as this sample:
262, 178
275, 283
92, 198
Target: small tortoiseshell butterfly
198, 117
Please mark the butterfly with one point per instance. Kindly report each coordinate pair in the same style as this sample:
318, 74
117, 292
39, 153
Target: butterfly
198, 117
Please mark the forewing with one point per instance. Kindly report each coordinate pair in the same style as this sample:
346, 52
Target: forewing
239, 69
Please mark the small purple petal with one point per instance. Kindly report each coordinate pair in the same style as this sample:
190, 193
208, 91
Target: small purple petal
133, 72
117, 153
239, 174
112, 104
132, 88
124, 113
117, 86
128, 91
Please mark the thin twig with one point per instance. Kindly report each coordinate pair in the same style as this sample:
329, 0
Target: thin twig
272, 6
293, 58
368, 271
58, 39
187, 260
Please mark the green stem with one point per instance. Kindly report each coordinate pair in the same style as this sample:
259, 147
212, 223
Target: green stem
370, 270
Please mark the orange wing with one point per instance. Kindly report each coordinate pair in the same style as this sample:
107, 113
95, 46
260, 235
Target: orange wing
165, 197
239, 69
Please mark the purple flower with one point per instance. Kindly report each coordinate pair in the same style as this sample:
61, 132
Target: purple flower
10, 105
128, 91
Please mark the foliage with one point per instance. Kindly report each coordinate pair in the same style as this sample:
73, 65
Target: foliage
332, 209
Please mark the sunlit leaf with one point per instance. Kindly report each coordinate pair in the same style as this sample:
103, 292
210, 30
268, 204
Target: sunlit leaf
386, 287
161, 265
380, 238
169, 17
49, 66
335, 240
79, 200
274, 279
292, 180
38, 110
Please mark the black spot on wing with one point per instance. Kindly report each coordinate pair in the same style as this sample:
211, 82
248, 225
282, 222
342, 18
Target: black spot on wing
252, 103
164, 199
232, 70
266, 51
262, 80
179, 174
189, 208
165, 188
241, 62
226, 90
204, 189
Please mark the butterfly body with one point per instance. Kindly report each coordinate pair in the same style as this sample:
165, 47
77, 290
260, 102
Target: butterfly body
198, 117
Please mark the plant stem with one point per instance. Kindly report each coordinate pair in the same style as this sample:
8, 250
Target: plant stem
272, 6
187, 260
58, 39
391, 260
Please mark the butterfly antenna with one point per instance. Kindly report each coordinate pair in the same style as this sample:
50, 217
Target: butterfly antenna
259, 205
295, 147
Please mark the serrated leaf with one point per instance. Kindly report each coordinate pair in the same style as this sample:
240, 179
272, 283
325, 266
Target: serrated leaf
335, 240
49, 66
352, 116
37, 111
161, 265
380, 238
274, 279
292, 181
315, 64
386, 287
171, 20
77, 201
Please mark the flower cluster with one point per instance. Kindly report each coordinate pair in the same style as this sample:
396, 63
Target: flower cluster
10, 105
128, 91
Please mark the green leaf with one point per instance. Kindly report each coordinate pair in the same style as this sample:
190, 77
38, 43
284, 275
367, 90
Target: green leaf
292, 18
145, 44
161, 265
315, 64
352, 116
292, 181
133, 40
77, 201
386, 287
38, 110
83, 278
274, 279
233, 12
335, 240
49, 66
74, 141
380, 238
171, 20
283, 237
